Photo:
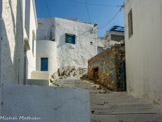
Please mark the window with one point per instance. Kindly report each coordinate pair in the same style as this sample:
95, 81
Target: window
69, 38
44, 64
130, 23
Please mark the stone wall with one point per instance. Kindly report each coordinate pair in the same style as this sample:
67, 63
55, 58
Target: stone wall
107, 68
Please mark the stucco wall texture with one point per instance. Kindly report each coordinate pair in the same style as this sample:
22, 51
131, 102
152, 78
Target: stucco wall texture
47, 49
143, 49
12, 54
69, 54
50, 104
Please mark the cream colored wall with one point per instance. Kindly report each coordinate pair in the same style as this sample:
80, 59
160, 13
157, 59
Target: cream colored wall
144, 49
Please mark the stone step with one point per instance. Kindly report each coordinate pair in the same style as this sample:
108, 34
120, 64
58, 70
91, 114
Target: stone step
127, 118
113, 111
122, 106
107, 106
113, 101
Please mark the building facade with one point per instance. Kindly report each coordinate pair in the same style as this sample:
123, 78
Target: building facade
115, 35
74, 43
15, 40
143, 41
18, 36
17, 62
12, 50
30, 27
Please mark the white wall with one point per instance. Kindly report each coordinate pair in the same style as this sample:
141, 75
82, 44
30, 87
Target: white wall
144, 49
111, 42
12, 47
45, 25
83, 51
51, 104
67, 54
46, 49
31, 27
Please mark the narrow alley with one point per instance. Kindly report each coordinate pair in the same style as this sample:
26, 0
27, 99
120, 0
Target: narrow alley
81, 60
107, 106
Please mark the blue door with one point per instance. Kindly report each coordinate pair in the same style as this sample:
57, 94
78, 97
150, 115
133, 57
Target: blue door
44, 64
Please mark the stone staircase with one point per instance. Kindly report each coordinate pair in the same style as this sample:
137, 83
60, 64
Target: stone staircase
109, 106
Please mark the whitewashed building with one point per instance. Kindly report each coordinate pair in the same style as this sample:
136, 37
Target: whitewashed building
18, 35
30, 27
11, 41
102, 45
64, 42
19, 102
143, 40
115, 35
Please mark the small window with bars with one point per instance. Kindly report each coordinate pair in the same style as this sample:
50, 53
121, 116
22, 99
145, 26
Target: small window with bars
70, 38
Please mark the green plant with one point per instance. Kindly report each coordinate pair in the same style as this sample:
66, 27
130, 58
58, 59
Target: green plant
51, 81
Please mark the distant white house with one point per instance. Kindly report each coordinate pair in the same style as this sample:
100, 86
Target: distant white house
143, 40
114, 36
64, 42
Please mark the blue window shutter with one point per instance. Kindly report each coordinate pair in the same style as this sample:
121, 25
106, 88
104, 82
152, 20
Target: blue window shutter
44, 64
66, 38
74, 37
70, 38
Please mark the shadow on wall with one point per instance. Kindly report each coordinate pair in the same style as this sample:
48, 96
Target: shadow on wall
13, 59
61, 41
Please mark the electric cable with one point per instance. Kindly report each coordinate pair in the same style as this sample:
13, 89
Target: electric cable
94, 4
111, 18
47, 8
88, 11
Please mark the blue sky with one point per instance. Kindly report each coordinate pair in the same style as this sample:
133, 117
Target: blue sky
77, 9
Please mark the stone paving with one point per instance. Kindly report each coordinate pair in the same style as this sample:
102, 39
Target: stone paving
107, 106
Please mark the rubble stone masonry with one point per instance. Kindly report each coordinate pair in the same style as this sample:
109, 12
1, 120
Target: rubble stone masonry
108, 68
